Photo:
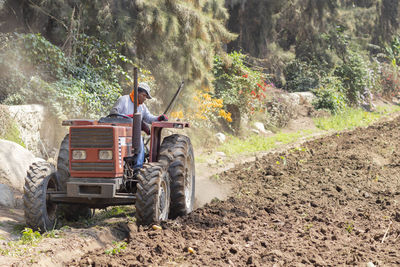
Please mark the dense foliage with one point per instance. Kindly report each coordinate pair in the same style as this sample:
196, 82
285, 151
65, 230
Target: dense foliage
339, 37
173, 39
78, 56
237, 84
330, 95
35, 71
354, 76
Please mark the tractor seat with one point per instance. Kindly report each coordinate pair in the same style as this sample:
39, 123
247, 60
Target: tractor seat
115, 119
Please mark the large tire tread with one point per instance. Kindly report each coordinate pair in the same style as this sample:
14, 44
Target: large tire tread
150, 178
35, 209
174, 150
63, 162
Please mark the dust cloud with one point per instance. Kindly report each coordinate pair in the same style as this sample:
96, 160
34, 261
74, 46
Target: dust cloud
207, 188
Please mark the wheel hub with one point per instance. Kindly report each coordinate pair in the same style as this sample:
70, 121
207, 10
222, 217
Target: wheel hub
162, 200
188, 183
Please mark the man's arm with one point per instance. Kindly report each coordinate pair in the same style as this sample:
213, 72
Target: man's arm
146, 115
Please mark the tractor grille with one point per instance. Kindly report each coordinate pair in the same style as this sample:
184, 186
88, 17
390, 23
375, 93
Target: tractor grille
92, 166
93, 137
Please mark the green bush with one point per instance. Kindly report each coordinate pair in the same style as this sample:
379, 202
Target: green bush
43, 57
355, 77
238, 84
300, 76
85, 84
393, 51
242, 89
330, 95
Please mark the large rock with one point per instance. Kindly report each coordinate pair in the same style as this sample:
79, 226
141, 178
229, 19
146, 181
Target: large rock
221, 137
260, 128
14, 163
6, 196
306, 97
298, 98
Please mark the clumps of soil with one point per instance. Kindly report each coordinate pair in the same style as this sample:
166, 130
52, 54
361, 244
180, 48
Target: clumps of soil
332, 201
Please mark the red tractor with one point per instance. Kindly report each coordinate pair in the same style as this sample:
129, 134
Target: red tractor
95, 170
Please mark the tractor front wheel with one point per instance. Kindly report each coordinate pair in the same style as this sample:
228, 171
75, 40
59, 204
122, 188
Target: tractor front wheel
153, 194
40, 212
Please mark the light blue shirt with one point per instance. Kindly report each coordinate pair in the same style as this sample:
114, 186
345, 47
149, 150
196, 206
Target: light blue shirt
124, 106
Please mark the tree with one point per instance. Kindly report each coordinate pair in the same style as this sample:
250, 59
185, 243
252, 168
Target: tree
174, 39
261, 23
387, 22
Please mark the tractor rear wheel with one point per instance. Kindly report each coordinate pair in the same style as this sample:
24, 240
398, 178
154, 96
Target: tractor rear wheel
153, 194
71, 212
177, 151
40, 212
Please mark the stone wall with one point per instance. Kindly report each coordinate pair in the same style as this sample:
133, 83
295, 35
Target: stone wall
40, 132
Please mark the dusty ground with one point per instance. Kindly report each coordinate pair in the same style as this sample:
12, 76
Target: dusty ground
65, 244
331, 201
74, 239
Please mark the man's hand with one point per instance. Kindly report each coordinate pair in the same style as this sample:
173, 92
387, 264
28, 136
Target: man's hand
145, 128
162, 117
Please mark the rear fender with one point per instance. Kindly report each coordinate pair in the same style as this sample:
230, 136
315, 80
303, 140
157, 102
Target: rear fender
155, 141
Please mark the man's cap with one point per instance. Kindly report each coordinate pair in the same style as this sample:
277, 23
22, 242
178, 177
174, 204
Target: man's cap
145, 87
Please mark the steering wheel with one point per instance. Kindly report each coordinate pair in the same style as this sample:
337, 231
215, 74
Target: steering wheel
118, 115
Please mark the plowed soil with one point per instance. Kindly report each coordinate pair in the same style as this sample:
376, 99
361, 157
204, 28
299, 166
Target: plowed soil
332, 201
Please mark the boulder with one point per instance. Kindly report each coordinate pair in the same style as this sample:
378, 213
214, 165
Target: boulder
14, 163
221, 137
260, 128
306, 97
292, 98
211, 162
298, 98
220, 154
6, 196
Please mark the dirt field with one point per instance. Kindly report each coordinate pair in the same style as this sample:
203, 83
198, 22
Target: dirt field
332, 201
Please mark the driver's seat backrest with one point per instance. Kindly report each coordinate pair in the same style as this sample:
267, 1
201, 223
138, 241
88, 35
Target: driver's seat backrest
115, 120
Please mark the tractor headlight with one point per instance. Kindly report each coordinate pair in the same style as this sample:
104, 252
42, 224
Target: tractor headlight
78, 154
105, 154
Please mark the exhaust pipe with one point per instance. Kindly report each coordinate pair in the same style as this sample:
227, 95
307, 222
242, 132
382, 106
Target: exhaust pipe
137, 117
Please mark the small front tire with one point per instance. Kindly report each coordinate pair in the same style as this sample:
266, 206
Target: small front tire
40, 211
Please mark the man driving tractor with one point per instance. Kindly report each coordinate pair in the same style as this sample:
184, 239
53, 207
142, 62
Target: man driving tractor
124, 106
111, 150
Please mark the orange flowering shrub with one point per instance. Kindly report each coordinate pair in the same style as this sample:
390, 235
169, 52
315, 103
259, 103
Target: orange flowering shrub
209, 107
177, 115
205, 111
